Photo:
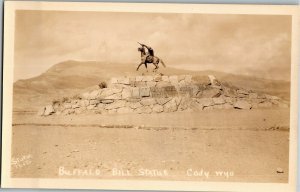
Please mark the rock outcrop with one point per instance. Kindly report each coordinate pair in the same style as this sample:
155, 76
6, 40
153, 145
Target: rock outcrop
159, 94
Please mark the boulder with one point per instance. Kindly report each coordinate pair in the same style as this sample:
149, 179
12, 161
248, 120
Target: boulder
67, 105
184, 104
195, 106
227, 106
158, 108
242, 91
135, 105
209, 93
144, 91
148, 101
90, 107
94, 94
57, 106
94, 102
126, 93
214, 82
261, 96
170, 106
178, 100
195, 90
116, 104
135, 92
163, 101
100, 106
205, 101
84, 103
229, 100
156, 92
218, 100
48, 110
242, 104
229, 92
114, 96
202, 80
109, 91
253, 96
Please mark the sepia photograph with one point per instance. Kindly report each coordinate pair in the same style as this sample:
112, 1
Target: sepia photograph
166, 93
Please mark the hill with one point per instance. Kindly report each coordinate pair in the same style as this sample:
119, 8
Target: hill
70, 77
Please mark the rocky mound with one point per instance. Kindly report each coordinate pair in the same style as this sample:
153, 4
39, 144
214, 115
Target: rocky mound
158, 94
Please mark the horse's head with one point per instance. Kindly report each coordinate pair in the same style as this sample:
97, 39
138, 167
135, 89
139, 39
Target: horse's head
142, 50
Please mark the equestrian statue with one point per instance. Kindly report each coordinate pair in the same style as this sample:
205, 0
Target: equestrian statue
148, 57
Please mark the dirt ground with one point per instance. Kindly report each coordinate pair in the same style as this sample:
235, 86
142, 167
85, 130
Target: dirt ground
218, 145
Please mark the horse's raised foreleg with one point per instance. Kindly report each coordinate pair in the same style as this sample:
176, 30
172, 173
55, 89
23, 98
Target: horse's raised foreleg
140, 65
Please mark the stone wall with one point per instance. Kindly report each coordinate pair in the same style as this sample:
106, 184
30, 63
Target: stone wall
158, 94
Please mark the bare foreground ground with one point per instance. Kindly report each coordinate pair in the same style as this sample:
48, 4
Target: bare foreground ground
218, 145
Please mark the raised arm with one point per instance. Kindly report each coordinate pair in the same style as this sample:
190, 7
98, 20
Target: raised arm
143, 45
146, 46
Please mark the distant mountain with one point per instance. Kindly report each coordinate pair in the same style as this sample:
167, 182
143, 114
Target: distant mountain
70, 77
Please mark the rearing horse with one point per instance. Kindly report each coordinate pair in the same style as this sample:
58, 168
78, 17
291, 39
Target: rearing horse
145, 59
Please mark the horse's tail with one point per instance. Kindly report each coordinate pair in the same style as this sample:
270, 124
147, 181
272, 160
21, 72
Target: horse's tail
162, 63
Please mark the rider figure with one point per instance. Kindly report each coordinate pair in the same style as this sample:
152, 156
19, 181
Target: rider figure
150, 53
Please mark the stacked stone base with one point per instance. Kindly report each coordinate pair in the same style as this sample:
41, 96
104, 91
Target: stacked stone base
162, 94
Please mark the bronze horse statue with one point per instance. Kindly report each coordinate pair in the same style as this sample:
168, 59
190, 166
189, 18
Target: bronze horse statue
148, 59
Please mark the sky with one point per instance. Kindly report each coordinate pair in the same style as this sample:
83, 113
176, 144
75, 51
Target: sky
255, 45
